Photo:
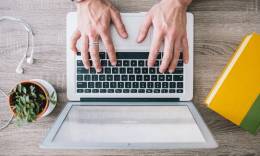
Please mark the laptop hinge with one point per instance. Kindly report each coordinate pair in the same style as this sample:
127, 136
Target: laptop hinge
130, 99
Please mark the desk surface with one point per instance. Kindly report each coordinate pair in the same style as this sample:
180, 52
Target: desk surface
219, 27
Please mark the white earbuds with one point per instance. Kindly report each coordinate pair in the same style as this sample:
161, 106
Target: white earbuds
27, 27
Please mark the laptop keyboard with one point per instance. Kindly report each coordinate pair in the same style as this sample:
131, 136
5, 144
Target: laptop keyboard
130, 75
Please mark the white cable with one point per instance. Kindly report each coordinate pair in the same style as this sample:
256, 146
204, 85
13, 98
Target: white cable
11, 118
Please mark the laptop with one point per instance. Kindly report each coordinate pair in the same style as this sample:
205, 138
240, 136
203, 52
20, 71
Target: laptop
129, 106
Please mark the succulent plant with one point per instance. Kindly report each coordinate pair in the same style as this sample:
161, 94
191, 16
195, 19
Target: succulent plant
28, 100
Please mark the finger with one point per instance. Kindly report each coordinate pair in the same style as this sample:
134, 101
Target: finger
116, 18
185, 50
167, 55
94, 51
74, 38
176, 56
155, 47
84, 52
144, 29
107, 40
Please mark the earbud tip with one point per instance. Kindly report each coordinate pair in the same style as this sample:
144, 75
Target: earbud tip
29, 60
19, 70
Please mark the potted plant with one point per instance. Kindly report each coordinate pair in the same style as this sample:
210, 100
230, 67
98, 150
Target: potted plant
32, 99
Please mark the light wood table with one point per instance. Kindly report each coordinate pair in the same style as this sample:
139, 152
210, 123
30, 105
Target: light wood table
219, 27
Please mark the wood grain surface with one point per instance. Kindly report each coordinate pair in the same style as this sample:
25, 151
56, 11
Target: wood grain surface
220, 25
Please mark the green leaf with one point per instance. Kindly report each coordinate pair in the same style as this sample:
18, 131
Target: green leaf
27, 99
24, 89
42, 97
19, 88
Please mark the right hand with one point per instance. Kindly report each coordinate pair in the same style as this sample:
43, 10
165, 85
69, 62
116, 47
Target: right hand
94, 18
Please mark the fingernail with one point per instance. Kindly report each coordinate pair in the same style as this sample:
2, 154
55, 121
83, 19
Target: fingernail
186, 61
125, 34
113, 63
171, 71
139, 39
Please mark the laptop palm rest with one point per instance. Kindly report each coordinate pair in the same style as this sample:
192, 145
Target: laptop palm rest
83, 125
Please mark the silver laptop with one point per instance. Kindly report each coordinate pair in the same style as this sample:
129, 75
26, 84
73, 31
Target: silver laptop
128, 106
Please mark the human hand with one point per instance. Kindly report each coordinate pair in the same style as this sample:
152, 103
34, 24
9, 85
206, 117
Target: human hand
168, 18
94, 18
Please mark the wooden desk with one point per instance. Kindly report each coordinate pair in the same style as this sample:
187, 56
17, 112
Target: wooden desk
219, 27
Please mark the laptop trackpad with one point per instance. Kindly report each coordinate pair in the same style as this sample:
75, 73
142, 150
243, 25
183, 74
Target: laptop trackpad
99, 125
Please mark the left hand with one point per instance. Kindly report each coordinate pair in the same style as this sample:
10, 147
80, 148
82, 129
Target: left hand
168, 18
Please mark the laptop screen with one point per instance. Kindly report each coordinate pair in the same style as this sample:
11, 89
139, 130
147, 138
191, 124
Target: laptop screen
128, 124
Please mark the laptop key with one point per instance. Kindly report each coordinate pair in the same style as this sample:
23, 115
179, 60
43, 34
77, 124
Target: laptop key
131, 78
165, 85
137, 70
130, 70
116, 77
157, 84
95, 90
112, 84
118, 90
161, 77
149, 90
79, 77
82, 70
133, 63
164, 91
142, 84
102, 55
108, 70
120, 84
146, 77
168, 77
135, 85
103, 63
94, 77
150, 84
152, 70
79, 63
128, 85
110, 90
126, 63
92, 71
122, 70
102, 77
171, 90
180, 85
141, 63
79, 90
81, 85
179, 91
133, 90
124, 77
98, 85
141, 91
156, 90
139, 78
126, 90
87, 78
105, 84
178, 71
119, 63
87, 90
103, 90
172, 85
154, 77
145, 70
180, 63
178, 77
90, 84
109, 77
114, 70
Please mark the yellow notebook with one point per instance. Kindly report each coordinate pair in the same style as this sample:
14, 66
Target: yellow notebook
236, 94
